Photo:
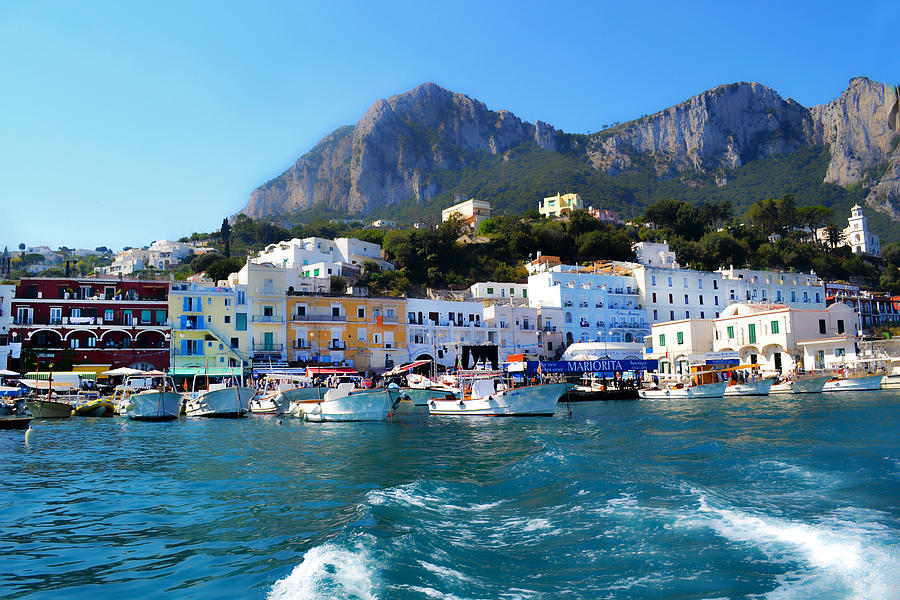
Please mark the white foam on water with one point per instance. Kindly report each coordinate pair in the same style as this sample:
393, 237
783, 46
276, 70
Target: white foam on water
447, 572
837, 554
427, 592
328, 571
536, 524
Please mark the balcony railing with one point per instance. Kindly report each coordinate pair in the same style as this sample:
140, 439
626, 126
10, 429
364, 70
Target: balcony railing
263, 347
302, 346
319, 317
337, 346
385, 319
268, 319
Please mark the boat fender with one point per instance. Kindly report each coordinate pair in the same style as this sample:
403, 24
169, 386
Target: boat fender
667, 392
462, 404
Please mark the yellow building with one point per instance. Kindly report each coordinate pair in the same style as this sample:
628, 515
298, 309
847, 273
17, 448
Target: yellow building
560, 204
209, 326
361, 332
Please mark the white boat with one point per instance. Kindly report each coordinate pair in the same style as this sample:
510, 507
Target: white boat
159, 403
854, 383
280, 391
223, 399
348, 403
487, 394
753, 388
708, 390
804, 385
421, 390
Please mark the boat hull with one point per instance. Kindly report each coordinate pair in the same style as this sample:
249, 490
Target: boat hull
372, 405
865, 383
809, 385
528, 401
14, 422
709, 390
890, 382
754, 388
421, 396
154, 405
230, 402
279, 403
95, 408
49, 409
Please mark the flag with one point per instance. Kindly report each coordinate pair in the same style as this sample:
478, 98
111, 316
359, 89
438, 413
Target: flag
539, 369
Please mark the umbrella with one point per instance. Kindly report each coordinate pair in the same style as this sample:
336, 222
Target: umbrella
7, 373
153, 373
122, 371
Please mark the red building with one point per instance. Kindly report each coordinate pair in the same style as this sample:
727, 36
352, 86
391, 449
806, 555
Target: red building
119, 323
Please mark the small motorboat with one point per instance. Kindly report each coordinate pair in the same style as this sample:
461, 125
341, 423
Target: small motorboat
281, 391
854, 383
800, 385
488, 394
159, 403
348, 403
707, 390
225, 398
751, 388
94, 406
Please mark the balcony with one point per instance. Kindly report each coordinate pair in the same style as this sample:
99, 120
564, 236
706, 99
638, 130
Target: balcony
269, 291
319, 317
263, 347
267, 319
337, 345
385, 319
302, 346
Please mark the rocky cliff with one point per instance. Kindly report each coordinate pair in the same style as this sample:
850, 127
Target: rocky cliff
392, 153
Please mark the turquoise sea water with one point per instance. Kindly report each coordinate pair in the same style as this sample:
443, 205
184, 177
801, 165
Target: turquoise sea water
790, 497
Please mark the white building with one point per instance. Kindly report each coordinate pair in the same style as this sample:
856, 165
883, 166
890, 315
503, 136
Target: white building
161, 254
472, 212
798, 290
383, 223
602, 307
266, 302
516, 329
437, 329
485, 290
550, 332
50, 257
670, 294
356, 252
856, 234
320, 257
7, 291
654, 254
777, 337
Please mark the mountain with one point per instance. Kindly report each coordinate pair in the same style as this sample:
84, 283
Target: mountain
430, 145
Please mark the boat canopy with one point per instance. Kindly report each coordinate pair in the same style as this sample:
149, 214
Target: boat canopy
43, 385
407, 367
331, 371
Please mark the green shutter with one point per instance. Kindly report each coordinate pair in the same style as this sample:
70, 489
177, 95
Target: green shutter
731, 332
774, 326
240, 321
751, 333
680, 337
662, 339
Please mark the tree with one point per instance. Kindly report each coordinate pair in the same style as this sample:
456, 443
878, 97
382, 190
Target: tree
225, 231
812, 217
22, 247
223, 267
833, 235
338, 284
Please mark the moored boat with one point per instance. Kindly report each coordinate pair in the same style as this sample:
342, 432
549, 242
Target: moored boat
486, 393
94, 407
220, 399
49, 409
346, 403
281, 391
851, 383
14, 422
708, 390
803, 385
160, 403
752, 388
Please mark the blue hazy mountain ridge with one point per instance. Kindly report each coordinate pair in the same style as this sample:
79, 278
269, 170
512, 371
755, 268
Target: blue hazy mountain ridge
414, 152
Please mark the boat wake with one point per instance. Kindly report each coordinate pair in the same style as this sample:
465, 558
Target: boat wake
328, 571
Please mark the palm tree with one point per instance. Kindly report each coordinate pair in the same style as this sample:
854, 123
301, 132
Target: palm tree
833, 235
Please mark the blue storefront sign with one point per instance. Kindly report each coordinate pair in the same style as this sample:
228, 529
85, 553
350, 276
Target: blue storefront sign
591, 366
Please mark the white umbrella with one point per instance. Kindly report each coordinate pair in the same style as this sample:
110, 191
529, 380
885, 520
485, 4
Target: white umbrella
122, 371
7, 373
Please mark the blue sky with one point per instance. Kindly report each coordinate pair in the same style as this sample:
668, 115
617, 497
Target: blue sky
122, 123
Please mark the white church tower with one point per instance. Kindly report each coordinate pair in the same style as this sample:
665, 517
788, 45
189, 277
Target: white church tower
857, 234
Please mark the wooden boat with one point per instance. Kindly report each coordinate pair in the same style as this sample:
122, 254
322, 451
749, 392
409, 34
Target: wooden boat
14, 422
49, 409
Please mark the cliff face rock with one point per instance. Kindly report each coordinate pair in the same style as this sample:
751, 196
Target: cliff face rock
389, 155
385, 157
723, 127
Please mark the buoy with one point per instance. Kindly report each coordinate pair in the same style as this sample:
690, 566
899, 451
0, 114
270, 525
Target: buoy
28, 433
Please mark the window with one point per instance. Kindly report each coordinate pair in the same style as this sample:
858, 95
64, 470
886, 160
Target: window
662, 339
840, 326
731, 332
716, 298
268, 311
235, 342
108, 315
680, 337
822, 326
655, 316
227, 301
751, 333
653, 280
654, 296
227, 319
55, 316
670, 281
774, 326
145, 317
685, 282
361, 312
242, 297
715, 284
671, 315
702, 315
549, 345
700, 284
490, 290
240, 321
687, 314
793, 296
686, 299
335, 311
838, 352
671, 300
209, 301
92, 342
806, 296
818, 298
701, 299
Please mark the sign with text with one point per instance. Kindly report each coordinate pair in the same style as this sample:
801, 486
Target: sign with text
609, 365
